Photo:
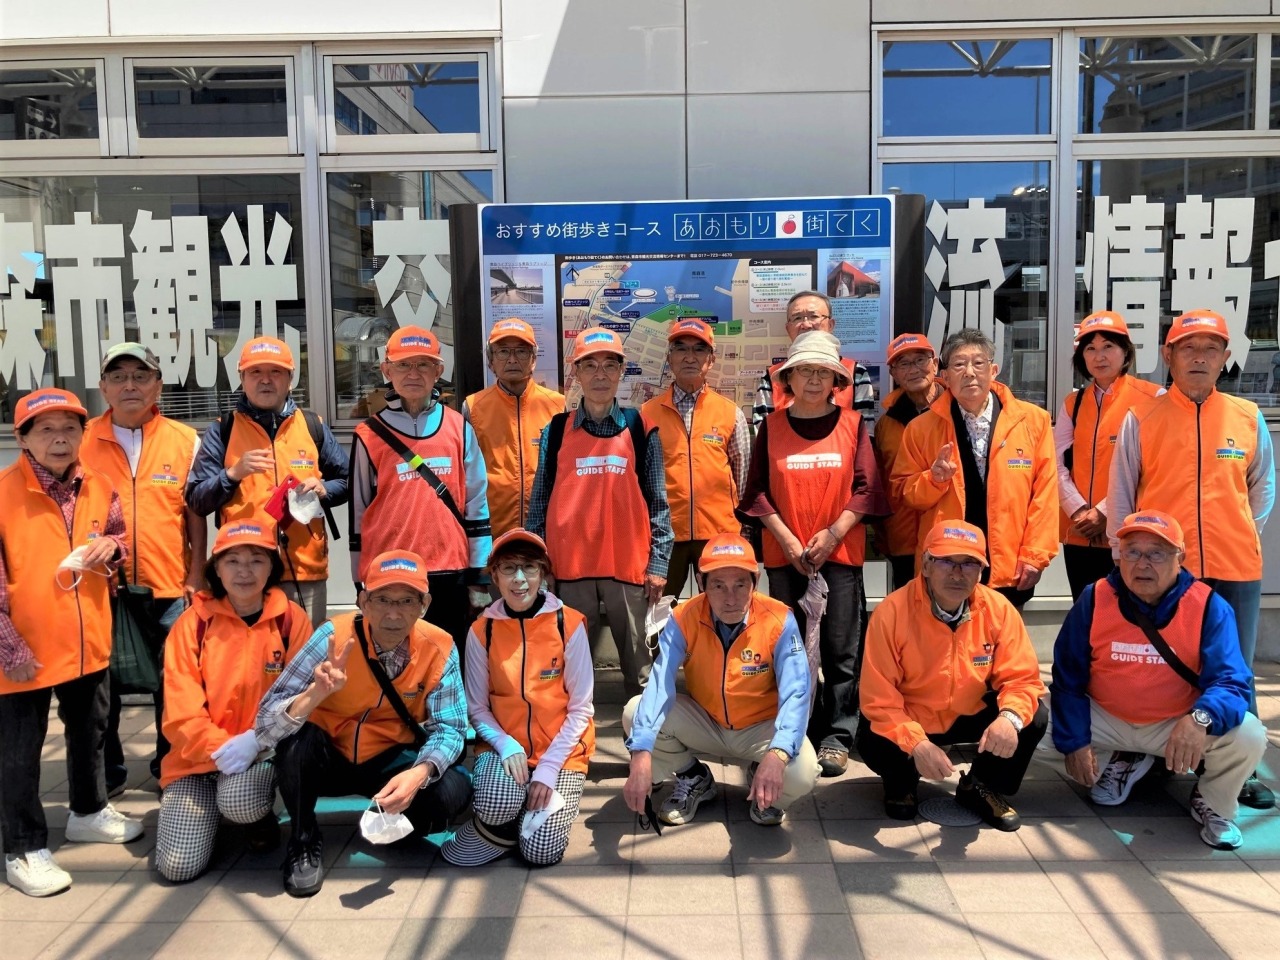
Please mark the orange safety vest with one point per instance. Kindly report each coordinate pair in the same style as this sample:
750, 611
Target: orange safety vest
842, 397
701, 489
1127, 676
216, 670
155, 513
407, 514
1095, 441
902, 526
68, 631
810, 483
1195, 462
526, 690
737, 687
358, 718
508, 429
295, 453
597, 519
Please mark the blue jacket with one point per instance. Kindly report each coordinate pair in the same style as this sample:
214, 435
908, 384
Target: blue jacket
1224, 677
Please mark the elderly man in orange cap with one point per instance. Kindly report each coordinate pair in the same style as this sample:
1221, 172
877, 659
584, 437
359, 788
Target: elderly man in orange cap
600, 502
1205, 458
705, 443
418, 483
749, 693
509, 418
267, 439
948, 661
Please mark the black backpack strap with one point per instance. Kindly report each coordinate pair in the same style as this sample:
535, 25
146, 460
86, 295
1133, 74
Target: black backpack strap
1075, 411
555, 437
389, 437
488, 632
1131, 612
639, 438
225, 423
388, 689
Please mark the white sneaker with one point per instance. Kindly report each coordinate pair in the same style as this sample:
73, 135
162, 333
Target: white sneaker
1119, 777
1215, 830
35, 874
108, 825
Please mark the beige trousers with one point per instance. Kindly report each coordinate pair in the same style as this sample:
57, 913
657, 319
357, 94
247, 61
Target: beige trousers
624, 609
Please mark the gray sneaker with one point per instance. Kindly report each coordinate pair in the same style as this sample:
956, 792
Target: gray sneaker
1215, 830
1119, 776
768, 817
687, 795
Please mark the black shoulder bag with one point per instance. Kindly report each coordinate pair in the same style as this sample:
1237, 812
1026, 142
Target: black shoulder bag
1068, 457
389, 691
1131, 611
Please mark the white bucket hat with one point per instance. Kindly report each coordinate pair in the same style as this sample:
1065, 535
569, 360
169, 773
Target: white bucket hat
813, 348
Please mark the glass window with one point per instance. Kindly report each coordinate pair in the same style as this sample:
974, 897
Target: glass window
987, 258
1166, 84
414, 98
192, 266
389, 267
1158, 237
211, 100
49, 103
1275, 81
967, 88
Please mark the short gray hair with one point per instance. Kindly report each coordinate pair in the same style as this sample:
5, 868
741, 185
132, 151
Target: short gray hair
809, 293
966, 337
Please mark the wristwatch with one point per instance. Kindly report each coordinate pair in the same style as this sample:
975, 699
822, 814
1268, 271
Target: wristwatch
1203, 718
781, 755
1013, 718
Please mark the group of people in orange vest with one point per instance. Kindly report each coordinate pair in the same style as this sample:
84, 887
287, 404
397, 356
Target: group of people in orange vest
487, 544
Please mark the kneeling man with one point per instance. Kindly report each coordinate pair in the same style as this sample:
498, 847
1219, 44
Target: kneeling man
949, 661
1148, 663
372, 705
748, 679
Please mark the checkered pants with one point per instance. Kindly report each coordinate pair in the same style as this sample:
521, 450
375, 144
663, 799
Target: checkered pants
190, 809
499, 799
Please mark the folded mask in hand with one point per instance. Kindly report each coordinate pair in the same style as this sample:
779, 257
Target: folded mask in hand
73, 568
304, 505
536, 818
378, 826
656, 617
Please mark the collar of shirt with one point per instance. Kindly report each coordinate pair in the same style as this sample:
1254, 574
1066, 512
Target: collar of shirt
728, 632
679, 396
614, 414
951, 619
50, 484
983, 417
393, 661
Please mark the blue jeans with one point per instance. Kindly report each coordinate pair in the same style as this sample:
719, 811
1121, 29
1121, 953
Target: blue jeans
1245, 598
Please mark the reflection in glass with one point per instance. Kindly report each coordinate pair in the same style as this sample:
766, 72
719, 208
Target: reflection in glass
1014, 213
1166, 84
407, 98
211, 101
1275, 81
49, 103
955, 88
386, 270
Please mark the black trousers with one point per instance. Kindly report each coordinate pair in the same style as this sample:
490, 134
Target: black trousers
1086, 565
24, 724
309, 766
684, 557
450, 608
903, 569
1003, 775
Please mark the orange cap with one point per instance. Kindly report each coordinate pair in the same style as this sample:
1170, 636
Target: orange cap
692, 327
47, 400
1101, 321
397, 567
726, 550
513, 327
518, 535
596, 340
952, 538
268, 351
1154, 522
256, 530
1197, 321
409, 342
905, 342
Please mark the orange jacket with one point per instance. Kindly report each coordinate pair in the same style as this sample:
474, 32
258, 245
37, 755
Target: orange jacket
216, 669
1095, 441
358, 718
1022, 482
508, 429
526, 692
700, 485
295, 453
919, 676
68, 631
155, 513
902, 527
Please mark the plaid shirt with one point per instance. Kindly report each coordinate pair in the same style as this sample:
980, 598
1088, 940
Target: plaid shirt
14, 651
445, 725
737, 449
864, 397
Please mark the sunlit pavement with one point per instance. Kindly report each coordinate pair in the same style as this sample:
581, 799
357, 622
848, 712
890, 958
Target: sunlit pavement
837, 880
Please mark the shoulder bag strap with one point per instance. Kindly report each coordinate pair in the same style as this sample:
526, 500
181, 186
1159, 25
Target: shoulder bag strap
1131, 611
389, 691
388, 436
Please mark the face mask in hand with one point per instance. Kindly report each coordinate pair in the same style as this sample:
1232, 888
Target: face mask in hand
304, 505
378, 826
73, 568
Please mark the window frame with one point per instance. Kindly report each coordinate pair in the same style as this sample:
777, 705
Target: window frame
40, 149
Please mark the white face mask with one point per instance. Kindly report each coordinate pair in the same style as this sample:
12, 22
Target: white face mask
378, 826
73, 568
536, 818
655, 619
304, 505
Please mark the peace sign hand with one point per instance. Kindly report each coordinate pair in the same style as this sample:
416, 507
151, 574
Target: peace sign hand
331, 672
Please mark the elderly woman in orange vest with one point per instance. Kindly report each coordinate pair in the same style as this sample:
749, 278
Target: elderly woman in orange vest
813, 480
55, 635
1085, 435
222, 655
530, 683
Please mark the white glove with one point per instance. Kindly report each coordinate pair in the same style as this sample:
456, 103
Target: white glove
237, 754
517, 767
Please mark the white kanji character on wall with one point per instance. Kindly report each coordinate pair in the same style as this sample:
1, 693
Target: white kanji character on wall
412, 241
970, 274
1124, 267
86, 284
22, 357
1211, 269
258, 278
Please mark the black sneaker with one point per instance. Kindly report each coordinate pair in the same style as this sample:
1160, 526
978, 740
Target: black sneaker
973, 794
303, 871
901, 806
263, 835
1256, 794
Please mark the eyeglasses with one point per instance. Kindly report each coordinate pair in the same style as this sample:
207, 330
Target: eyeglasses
140, 377
589, 368
807, 318
529, 570
967, 567
423, 367
507, 353
814, 373
687, 349
1153, 557
386, 604
919, 363
977, 366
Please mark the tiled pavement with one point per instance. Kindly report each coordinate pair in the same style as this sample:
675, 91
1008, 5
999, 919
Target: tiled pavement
838, 880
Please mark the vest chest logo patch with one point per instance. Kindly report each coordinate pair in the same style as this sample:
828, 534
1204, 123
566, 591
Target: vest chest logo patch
714, 438
166, 478
440, 466
302, 461
1134, 653
1230, 451
1019, 461
755, 670
275, 664
982, 661
815, 461
415, 693
553, 672
592, 466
